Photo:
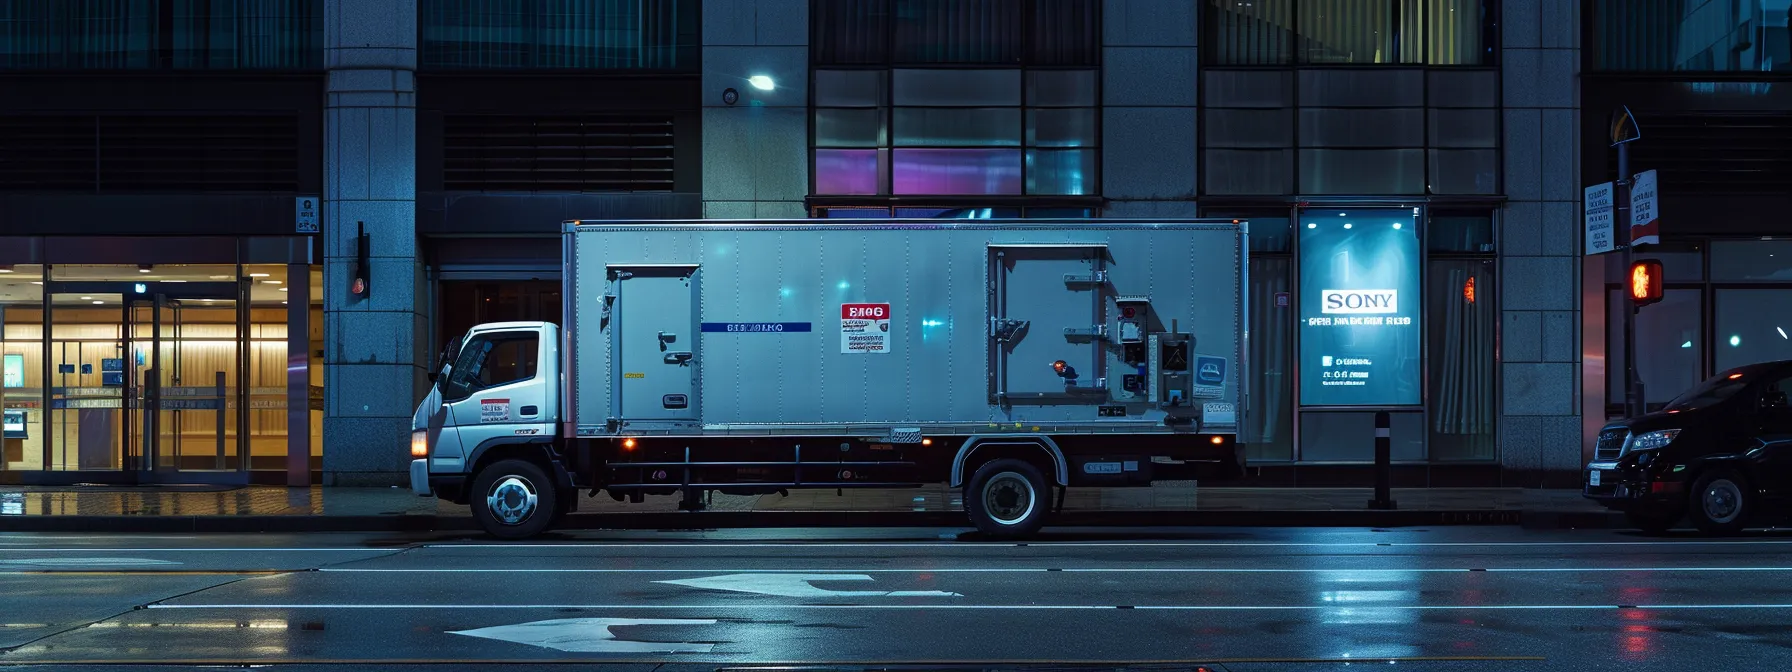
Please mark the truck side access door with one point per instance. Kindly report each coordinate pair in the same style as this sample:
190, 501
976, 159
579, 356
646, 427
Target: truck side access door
653, 338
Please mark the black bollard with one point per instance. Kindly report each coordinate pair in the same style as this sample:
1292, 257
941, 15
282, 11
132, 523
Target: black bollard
1384, 464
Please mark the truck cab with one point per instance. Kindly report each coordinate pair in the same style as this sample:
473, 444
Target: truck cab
495, 397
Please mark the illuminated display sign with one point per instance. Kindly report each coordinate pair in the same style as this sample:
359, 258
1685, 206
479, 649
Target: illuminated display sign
1360, 334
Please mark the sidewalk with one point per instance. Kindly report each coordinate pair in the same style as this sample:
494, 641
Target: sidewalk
318, 509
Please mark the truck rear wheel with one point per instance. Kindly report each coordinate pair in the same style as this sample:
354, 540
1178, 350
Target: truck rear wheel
1007, 498
514, 499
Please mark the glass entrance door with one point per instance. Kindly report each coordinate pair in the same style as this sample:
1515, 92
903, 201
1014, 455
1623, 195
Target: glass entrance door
184, 420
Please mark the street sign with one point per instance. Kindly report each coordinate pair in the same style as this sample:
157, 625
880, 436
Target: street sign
1645, 225
1597, 218
305, 214
796, 585
1624, 128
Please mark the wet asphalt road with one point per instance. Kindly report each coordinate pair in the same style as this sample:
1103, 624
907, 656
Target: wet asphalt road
1238, 599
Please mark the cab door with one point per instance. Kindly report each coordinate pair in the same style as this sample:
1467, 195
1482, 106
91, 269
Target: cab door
494, 388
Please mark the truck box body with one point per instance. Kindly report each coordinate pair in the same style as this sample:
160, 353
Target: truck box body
897, 327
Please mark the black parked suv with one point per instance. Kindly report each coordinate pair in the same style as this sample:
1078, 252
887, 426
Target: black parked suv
1720, 454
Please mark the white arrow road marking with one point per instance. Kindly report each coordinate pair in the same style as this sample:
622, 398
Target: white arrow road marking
590, 635
85, 562
797, 585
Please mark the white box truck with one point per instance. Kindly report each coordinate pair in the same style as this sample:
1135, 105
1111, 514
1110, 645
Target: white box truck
1012, 359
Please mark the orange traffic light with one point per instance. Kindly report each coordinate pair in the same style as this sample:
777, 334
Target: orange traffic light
1645, 282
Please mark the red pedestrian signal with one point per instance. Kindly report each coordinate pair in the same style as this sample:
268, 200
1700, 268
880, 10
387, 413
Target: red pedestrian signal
1645, 282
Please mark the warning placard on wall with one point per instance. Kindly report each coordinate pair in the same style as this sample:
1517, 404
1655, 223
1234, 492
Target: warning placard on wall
864, 328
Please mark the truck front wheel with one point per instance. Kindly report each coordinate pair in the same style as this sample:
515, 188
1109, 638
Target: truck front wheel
514, 499
1007, 498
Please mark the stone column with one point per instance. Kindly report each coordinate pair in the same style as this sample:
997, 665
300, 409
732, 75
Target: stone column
1149, 82
756, 151
372, 372
1540, 427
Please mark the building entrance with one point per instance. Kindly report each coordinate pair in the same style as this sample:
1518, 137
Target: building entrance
146, 381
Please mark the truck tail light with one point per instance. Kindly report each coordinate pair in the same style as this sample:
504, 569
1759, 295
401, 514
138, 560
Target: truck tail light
420, 443
628, 444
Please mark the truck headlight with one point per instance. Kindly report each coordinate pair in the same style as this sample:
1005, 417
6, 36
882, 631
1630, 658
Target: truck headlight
1652, 440
420, 443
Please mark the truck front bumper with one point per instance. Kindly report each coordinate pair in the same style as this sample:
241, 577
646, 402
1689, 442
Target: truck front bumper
420, 478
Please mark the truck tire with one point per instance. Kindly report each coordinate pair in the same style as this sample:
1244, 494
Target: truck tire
1720, 502
514, 499
1007, 499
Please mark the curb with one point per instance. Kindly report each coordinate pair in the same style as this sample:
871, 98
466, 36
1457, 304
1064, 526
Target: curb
670, 520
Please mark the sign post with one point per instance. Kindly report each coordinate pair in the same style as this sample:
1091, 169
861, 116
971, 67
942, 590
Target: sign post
1624, 131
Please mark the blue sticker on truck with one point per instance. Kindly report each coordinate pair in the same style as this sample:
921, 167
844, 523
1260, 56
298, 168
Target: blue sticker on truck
1210, 370
755, 327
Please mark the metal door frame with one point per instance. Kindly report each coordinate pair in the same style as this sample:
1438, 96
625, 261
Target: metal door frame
616, 273
137, 467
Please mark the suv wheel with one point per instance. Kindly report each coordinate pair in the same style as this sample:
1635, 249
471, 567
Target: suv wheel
1720, 502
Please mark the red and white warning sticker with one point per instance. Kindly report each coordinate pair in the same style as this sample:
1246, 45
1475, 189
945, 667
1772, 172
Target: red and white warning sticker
494, 410
864, 328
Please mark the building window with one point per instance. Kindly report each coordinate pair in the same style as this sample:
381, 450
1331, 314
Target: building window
1461, 320
1350, 131
943, 212
557, 34
959, 32
1675, 35
161, 34
909, 132
1723, 308
1350, 32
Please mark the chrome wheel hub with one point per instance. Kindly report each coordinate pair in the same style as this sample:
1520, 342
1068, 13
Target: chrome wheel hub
1009, 498
512, 500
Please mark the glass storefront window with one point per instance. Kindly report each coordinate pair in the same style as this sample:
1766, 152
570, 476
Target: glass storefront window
1462, 314
1752, 325
21, 367
1751, 261
1669, 345
1270, 435
207, 396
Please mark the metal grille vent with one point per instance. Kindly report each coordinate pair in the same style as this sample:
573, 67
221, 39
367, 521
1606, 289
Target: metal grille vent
557, 153
149, 153
1610, 444
1715, 153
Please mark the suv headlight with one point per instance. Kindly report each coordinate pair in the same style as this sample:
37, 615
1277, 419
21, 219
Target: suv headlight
420, 443
1652, 440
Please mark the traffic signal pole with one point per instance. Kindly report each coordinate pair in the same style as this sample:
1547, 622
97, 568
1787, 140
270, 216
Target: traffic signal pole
1633, 384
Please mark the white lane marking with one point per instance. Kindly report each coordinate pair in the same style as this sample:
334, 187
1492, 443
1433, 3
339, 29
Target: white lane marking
1071, 544
700, 545
589, 635
86, 562
796, 585
980, 607
108, 549
1027, 570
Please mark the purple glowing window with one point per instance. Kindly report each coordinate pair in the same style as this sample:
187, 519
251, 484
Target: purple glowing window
956, 171
849, 171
